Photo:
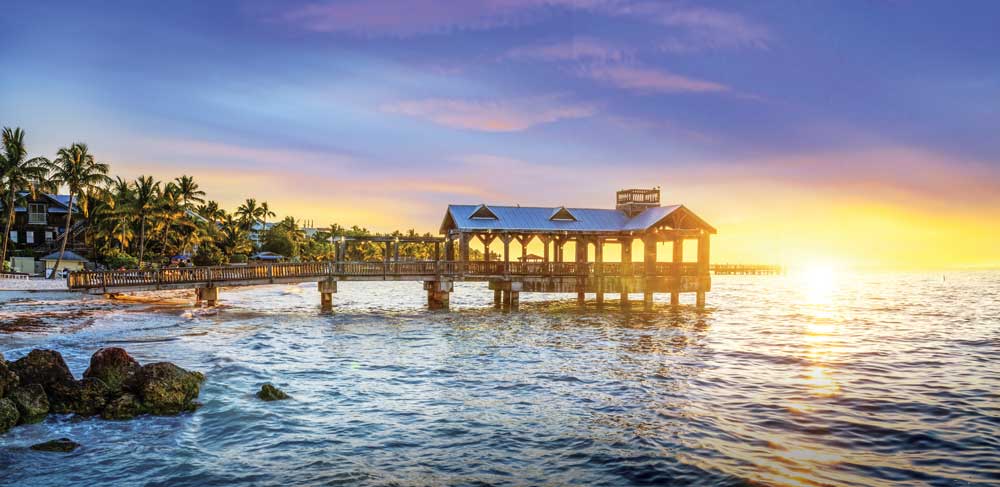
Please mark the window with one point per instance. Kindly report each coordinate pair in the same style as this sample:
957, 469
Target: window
30, 237
13, 236
48, 236
36, 214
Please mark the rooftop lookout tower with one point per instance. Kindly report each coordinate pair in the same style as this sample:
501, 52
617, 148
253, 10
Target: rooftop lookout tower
635, 201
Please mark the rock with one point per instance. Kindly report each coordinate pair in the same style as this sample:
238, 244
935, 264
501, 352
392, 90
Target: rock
8, 414
167, 389
63, 445
90, 397
8, 379
115, 367
32, 403
48, 369
126, 406
270, 393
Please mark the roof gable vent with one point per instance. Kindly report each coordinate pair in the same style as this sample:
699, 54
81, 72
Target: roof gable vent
483, 213
561, 214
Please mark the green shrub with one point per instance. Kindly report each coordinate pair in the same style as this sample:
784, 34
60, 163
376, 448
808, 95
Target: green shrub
209, 255
116, 259
238, 259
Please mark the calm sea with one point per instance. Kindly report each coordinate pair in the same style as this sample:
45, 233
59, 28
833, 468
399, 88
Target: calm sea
865, 379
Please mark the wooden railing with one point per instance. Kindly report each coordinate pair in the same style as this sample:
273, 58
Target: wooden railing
416, 269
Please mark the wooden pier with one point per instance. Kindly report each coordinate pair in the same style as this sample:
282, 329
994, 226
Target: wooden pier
746, 269
637, 218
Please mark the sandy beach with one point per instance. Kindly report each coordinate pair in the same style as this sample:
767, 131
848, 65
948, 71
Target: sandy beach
33, 284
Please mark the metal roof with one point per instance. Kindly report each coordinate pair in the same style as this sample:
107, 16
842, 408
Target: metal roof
539, 219
67, 257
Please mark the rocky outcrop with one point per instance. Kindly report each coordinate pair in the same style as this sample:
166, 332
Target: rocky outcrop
270, 393
31, 402
115, 367
166, 389
48, 369
62, 445
8, 379
8, 415
115, 386
126, 406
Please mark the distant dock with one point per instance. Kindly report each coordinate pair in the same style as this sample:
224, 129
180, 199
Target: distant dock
746, 269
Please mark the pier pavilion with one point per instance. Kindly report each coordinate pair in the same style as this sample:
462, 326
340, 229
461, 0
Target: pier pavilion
637, 217
638, 220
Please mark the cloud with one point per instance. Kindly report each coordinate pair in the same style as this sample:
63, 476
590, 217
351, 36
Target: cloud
648, 80
577, 48
405, 18
511, 115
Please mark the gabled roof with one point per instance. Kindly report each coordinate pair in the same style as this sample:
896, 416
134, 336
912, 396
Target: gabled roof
562, 214
68, 256
674, 216
483, 212
542, 219
58, 203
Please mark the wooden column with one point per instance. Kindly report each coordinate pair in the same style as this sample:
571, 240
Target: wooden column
395, 251
599, 270
649, 264
627, 273
678, 260
437, 251
497, 298
487, 240
449, 249
581, 258
545, 248
463, 251
506, 252
704, 279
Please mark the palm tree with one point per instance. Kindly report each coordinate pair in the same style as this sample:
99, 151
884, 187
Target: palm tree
145, 192
249, 214
188, 191
17, 173
75, 168
265, 211
233, 238
211, 211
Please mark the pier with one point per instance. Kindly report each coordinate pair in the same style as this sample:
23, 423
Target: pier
746, 269
637, 221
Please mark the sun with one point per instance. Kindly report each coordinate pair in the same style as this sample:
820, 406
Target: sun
818, 281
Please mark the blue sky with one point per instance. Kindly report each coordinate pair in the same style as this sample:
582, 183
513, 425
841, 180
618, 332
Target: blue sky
381, 112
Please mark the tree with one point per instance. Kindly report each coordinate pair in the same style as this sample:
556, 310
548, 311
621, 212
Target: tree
145, 192
75, 168
233, 237
188, 191
265, 211
17, 173
249, 214
211, 211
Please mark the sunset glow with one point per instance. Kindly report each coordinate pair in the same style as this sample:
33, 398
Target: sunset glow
849, 146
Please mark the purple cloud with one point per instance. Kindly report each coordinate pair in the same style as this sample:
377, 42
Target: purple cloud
648, 80
575, 49
510, 115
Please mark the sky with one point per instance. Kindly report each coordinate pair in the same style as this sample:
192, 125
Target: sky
861, 133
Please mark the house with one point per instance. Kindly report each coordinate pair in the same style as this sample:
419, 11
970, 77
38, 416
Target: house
39, 223
70, 260
267, 256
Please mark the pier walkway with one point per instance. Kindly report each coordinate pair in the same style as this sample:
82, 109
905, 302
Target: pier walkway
637, 224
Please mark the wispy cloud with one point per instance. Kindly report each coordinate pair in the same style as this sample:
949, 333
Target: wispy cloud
649, 80
413, 17
578, 48
509, 115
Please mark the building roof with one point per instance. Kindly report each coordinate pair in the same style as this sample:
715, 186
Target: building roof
562, 219
67, 257
60, 202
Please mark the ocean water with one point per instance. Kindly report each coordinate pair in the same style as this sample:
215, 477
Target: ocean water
855, 379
